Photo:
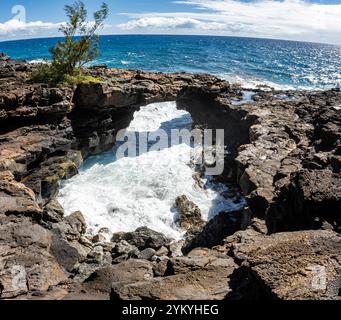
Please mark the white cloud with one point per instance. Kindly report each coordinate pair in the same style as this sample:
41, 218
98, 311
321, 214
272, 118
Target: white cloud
290, 19
160, 22
169, 23
16, 28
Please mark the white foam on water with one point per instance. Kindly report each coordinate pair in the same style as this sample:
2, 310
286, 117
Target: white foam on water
255, 83
247, 98
141, 191
155, 115
38, 61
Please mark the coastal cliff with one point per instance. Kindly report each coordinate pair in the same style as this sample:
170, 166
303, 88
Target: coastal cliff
283, 154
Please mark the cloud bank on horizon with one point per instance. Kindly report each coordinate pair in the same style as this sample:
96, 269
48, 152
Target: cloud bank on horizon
318, 21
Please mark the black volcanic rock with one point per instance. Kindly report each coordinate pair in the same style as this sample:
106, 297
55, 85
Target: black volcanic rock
284, 154
283, 150
143, 238
189, 213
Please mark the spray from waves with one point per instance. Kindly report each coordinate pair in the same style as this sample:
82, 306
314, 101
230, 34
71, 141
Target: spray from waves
38, 61
255, 83
250, 82
128, 193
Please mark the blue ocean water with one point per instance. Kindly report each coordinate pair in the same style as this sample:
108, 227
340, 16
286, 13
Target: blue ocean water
249, 61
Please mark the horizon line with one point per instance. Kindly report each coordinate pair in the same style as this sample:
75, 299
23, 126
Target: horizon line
184, 35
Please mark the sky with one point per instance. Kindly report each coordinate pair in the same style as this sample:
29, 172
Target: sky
303, 20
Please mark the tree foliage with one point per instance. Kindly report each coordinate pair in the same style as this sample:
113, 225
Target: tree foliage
80, 44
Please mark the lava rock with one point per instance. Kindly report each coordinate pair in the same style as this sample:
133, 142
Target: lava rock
53, 212
189, 213
207, 282
143, 238
66, 255
118, 275
304, 265
146, 254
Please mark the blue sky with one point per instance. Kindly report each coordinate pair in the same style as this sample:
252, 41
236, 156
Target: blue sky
314, 20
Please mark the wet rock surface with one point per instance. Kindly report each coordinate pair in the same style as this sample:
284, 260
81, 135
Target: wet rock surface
283, 153
189, 214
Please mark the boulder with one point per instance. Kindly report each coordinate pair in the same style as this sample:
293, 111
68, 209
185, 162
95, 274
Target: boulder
143, 238
71, 228
96, 259
160, 266
118, 275
67, 255
16, 198
146, 254
24, 271
53, 212
103, 236
96, 255
197, 259
189, 213
123, 250
163, 251
23, 232
175, 248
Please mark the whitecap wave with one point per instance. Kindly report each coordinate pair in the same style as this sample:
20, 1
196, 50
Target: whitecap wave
129, 193
155, 115
38, 61
254, 83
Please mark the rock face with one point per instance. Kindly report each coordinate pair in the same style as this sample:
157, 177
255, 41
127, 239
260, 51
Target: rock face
100, 110
202, 275
120, 275
284, 154
215, 231
25, 262
23, 103
295, 266
16, 198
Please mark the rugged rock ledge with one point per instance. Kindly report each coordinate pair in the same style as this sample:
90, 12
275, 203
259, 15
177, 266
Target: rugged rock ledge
284, 154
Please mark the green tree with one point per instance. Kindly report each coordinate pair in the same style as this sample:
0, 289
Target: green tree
79, 46
74, 52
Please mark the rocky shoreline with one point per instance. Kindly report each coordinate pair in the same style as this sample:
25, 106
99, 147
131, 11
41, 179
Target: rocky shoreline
284, 154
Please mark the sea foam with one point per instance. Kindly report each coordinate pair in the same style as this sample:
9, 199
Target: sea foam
128, 193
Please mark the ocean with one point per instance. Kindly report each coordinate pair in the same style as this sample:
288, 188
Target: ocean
248, 61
